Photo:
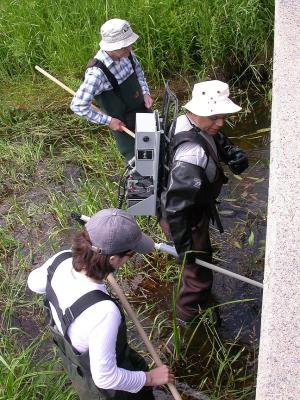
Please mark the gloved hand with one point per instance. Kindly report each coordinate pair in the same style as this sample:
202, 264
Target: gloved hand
238, 160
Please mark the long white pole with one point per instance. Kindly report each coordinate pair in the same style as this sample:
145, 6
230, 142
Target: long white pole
172, 251
140, 330
67, 89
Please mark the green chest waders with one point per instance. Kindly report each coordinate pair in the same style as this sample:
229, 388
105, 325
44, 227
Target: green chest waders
122, 102
77, 365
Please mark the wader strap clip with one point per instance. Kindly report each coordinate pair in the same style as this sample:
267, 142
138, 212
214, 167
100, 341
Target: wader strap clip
68, 317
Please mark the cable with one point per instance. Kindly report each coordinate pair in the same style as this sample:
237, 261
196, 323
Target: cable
121, 187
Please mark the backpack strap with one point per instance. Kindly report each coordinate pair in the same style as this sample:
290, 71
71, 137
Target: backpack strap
193, 136
50, 294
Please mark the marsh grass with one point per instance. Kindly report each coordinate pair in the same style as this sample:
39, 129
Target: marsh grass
24, 374
207, 38
52, 164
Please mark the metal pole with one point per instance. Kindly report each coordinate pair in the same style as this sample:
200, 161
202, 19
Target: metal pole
165, 248
171, 250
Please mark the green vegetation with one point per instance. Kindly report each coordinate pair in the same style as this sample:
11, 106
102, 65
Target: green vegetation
231, 38
25, 374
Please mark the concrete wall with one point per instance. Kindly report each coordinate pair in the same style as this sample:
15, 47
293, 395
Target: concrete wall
279, 356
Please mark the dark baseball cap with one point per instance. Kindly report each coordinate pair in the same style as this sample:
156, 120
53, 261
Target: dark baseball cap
113, 231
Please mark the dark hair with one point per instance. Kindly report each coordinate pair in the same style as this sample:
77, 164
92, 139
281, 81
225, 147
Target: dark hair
95, 265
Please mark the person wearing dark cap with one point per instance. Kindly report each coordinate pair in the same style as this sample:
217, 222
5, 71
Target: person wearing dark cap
87, 323
195, 181
115, 79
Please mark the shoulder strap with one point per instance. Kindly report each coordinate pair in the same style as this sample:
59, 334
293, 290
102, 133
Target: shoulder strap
189, 136
82, 304
50, 294
94, 62
57, 261
109, 75
132, 61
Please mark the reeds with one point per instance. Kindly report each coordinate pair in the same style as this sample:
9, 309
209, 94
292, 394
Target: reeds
231, 38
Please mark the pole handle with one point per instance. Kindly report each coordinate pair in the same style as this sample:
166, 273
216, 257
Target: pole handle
141, 331
67, 89
130, 133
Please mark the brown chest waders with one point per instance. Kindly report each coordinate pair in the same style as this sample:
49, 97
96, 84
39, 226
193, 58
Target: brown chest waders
122, 102
197, 280
77, 365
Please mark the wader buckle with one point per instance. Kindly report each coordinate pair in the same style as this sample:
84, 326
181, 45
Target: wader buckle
68, 317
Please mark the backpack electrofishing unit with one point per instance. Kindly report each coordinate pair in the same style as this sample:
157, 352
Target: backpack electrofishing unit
145, 176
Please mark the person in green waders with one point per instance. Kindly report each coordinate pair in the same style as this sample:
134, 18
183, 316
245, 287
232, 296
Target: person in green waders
87, 323
115, 79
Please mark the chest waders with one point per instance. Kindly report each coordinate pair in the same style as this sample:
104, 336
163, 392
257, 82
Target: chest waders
122, 102
209, 191
77, 365
197, 280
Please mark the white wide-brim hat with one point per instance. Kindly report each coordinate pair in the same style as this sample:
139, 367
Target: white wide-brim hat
211, 98
116, 34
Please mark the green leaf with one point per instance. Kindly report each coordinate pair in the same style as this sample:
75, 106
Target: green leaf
251, 239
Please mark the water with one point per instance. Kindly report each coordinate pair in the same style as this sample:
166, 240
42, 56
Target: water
244, 209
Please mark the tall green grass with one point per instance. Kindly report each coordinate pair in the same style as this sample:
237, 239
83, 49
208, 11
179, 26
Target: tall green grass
203, 38
25, 374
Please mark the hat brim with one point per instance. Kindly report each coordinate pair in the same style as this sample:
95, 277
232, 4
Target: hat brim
225, 106
144, 246
106, 46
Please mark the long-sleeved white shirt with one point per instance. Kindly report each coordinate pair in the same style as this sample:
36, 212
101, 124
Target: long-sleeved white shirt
95, 329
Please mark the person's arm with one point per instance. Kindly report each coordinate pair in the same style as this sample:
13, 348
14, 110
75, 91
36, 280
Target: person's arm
140, 75
231, 154
102, 351
142, 81
82, 101
183, 186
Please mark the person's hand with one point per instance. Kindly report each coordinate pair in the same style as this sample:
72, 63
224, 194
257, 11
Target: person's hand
148, 100
159, 376
116, 125
238, 162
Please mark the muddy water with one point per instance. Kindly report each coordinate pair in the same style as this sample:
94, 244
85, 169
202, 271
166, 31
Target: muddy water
241, 249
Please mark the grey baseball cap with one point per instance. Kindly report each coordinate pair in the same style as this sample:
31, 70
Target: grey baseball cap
113, 231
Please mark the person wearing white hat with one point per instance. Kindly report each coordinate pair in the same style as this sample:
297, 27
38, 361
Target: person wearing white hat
115, 79
195, 181
87, 323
